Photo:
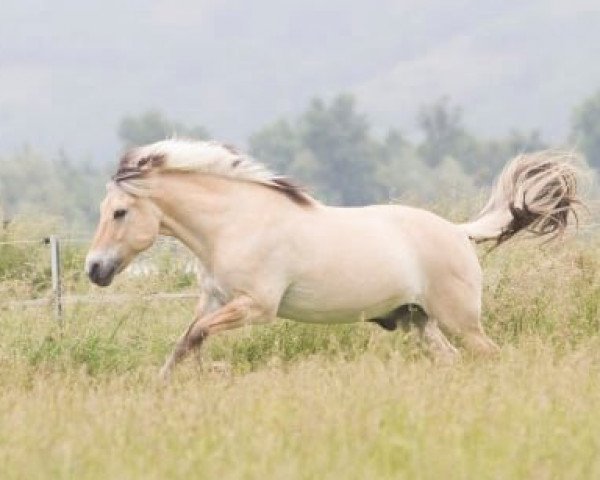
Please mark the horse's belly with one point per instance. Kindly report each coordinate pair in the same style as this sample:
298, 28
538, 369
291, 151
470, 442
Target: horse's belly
348, 296
336, 313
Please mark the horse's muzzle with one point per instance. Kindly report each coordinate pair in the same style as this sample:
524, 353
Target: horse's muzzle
102, 272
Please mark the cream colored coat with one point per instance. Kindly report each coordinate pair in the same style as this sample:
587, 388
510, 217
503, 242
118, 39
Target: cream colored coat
271, 251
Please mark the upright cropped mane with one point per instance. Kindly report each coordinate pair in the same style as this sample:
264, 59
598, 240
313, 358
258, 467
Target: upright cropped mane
210, 157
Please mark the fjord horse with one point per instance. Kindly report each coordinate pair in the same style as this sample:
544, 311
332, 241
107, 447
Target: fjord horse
269, 250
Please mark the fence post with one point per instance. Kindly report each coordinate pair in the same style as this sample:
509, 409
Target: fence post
56, 280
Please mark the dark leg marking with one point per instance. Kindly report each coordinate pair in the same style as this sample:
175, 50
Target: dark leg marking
408, 314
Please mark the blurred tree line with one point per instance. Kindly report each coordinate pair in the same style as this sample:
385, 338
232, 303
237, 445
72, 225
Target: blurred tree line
58, 187
330, 148
71, 189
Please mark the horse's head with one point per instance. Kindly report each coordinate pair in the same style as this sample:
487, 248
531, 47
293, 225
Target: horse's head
129, 224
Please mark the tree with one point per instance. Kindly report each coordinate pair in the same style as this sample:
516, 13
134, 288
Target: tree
445, 137
31, 184
490, 156
277, 145
444, 134
586, 129
152, 126
339, 139
328, 147
402, 170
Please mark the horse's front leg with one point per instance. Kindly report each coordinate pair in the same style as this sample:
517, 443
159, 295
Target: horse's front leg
240, 311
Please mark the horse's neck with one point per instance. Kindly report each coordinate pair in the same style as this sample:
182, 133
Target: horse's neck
199, 209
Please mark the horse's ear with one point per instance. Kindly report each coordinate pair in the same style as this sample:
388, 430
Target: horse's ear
130, 167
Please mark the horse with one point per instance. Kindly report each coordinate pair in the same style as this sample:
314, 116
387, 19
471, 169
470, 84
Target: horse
270, 250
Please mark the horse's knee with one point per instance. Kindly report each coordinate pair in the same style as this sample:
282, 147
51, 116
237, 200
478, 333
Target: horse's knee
196, 336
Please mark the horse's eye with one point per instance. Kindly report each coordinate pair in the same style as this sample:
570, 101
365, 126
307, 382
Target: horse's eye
120, 213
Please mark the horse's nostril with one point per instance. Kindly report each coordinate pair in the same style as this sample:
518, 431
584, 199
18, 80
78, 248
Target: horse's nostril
94, 267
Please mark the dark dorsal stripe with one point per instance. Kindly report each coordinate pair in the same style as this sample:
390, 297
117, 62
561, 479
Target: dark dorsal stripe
291, 190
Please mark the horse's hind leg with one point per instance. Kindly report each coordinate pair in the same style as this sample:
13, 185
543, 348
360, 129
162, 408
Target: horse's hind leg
476, 340
467, 325
436, 342
412, 314
459, 312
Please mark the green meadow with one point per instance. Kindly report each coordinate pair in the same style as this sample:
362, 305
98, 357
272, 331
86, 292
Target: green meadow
295, 401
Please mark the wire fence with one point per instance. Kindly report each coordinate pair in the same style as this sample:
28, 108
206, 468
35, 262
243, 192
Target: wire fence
145, 264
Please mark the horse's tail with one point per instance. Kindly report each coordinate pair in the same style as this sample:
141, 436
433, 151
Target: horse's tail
535, 192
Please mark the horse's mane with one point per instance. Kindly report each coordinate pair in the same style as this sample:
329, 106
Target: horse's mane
207, 157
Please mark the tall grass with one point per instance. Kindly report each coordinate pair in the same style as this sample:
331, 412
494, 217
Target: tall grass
289, 400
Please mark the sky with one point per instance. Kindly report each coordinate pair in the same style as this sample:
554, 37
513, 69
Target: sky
70, 70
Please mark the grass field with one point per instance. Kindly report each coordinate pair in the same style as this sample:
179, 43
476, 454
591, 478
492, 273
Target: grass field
290, 401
